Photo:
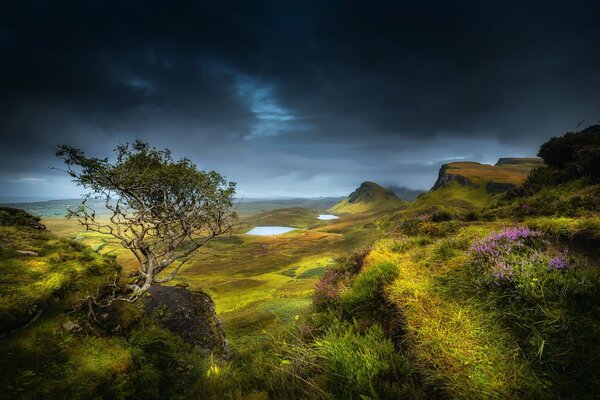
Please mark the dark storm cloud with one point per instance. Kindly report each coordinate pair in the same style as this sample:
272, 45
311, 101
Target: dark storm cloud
293, 98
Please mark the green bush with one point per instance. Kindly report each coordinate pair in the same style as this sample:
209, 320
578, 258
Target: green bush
366, 294
362, 365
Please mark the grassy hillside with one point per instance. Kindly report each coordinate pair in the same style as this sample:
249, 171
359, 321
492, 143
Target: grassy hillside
499, 307
463, 187
509, 171
367, 198
49, 349
296, 217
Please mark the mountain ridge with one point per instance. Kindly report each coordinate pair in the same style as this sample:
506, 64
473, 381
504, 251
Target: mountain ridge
368, 197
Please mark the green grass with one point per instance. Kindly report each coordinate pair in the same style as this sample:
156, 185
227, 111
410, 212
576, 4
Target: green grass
483, 173
243, 273
368, 198
454, 198
56, 269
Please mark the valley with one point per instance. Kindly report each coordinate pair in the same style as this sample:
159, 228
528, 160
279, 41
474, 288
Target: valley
256, 281
484, 287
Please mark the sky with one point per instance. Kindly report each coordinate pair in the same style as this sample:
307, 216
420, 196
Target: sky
292, 99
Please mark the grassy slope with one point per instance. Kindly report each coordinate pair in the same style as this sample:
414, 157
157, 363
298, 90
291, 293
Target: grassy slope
470, 342
462, 199
457, 344
296, 217
255, 281
370, 197
454, 198
484, 173
44, 358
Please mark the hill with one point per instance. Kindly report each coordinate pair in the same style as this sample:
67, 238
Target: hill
296, 217
465, 186
405, 193
367, 198
502, 307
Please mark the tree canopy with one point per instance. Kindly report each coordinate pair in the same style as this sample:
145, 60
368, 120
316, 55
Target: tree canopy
161, 209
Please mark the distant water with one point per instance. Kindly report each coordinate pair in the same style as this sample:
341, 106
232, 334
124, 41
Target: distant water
325, 217
56, 208
269, 230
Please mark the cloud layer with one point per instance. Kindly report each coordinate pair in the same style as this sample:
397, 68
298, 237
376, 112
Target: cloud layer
289, 99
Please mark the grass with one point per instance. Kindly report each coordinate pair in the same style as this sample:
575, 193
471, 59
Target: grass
269, 276
483, 173
55, 269
454, 198
368, 198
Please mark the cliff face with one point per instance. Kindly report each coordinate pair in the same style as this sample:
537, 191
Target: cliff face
445, 178
506, 174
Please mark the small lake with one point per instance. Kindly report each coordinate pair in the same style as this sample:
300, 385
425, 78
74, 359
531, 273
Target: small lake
269, 230
326, 217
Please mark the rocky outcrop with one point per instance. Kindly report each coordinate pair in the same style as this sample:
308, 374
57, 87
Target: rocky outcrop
368, 192
445, 179
368, 197
190, 315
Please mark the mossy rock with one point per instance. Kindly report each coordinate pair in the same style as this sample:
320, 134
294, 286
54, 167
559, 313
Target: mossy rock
188, 314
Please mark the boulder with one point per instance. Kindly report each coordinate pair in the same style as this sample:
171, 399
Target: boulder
189, 314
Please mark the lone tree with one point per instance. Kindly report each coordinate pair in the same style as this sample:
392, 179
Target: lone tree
160, 209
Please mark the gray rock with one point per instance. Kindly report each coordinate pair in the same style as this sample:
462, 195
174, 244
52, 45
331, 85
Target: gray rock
27, 253
190, 315
72, 327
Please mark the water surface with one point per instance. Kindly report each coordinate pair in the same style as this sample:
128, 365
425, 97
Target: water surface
327, 216
269, 230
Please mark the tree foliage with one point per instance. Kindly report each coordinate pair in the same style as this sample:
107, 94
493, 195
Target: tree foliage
162, 210
572, 156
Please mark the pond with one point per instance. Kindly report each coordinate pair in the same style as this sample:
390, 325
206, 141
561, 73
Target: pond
325, 217
269, 230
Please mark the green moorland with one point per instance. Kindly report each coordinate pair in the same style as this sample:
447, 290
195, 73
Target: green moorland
369, 197
473, 291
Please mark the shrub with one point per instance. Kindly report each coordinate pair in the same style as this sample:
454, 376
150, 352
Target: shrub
326, 291
362, 365
520, 261
440, 216
366, 294
352, 263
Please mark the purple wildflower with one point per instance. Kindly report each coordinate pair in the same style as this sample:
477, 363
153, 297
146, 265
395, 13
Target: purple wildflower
495, 251
559, 263
326, 291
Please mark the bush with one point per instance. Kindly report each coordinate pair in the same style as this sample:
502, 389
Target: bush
362, 365
549, 299
326, 292
366, 295
518, 260
440, 216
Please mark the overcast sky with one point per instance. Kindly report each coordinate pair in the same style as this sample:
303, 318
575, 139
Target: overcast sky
303, 98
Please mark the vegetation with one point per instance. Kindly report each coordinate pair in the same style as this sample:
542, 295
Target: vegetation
160, 209
367, 198
463, 294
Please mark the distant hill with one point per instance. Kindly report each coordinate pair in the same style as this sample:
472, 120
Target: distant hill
405, 193
297, 217
465, 186
368, 197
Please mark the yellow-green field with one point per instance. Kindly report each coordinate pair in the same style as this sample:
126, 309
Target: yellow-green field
255, 281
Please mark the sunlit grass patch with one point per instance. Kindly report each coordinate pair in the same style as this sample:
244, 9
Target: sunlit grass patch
55, 268
459, 346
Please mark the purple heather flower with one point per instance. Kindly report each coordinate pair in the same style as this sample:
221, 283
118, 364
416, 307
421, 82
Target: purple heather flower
558, 263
